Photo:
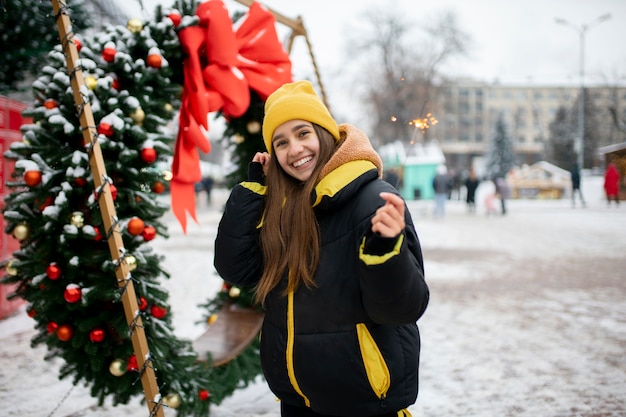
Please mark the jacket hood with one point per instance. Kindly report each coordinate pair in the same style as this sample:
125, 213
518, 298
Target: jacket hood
354, 145
355, 161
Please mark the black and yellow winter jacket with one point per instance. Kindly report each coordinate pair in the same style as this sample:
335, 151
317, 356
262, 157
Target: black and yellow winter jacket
350, 346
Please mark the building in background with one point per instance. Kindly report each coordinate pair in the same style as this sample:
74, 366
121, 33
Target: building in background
467, 111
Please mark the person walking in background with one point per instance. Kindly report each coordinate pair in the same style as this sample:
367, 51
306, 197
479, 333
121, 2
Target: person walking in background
441, 187
207, 185
503, 191
611, 184
471, 184
575, 174
333, 256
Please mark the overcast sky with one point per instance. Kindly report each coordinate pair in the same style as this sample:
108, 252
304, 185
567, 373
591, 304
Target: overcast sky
513, 41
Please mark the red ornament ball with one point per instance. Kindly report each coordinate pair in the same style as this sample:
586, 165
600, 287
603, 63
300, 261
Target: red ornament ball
154, 61
98, 237
132, 364
31, 312
203, 394
175, 17
78, 43
80, 181
108, 54
135, 226
148, 155
72, 293
105, 129
50, 104
48, 201
32, 178
149, 233
65, 333
158, 187
113, 189
96, 335
53, 271
143, 304
52, 327
116, 84
158, 312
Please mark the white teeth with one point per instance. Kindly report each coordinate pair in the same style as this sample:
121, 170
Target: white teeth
302, 161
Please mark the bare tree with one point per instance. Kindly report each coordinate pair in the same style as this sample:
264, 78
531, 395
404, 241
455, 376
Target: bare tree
401, 61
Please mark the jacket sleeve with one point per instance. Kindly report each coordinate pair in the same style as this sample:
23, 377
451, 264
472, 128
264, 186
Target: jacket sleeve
238, 255
391, 273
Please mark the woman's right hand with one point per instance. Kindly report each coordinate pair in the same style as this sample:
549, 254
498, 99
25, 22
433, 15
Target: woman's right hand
264, 159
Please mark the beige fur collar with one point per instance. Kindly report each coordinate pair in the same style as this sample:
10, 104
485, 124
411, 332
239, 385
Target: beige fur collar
354, 145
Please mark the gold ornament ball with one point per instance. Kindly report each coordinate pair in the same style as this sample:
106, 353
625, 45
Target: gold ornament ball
77, 219
172, 400
234, 292
11, 269
168, 107
138, 115
212, 319
134, 25
168, 175
117, 367
91, 82
238, 139
21, 231
253, 127
131, 261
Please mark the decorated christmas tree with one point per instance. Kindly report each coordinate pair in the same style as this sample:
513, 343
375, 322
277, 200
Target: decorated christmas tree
135, 79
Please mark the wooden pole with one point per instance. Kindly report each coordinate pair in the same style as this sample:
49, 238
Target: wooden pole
107, 209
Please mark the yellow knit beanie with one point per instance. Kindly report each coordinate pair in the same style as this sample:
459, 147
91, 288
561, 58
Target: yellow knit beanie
292, 101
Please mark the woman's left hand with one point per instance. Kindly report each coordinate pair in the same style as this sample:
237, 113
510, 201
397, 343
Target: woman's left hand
389, 219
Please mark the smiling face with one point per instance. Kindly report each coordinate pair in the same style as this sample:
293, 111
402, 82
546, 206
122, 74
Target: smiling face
297, 148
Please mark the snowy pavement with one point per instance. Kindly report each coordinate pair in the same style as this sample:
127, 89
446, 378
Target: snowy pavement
527, 316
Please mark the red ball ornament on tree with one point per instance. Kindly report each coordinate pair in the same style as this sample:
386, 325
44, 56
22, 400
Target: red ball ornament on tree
50, 104
96, 335
105, 129
78, 43
31, 312
52, 327
148, 155
143, 304
48, 201
203, 394
158, 187
53, 271
72, 293
113, 189
98, 237
149, 233
135, 226
158, 312
32, 178
65, 333
154, 60
132, 364
109, 52
175, 17
115, 84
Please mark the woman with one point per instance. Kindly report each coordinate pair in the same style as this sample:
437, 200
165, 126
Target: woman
611, 184
335, 261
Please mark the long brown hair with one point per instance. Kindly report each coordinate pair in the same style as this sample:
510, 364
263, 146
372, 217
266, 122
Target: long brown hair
290, 235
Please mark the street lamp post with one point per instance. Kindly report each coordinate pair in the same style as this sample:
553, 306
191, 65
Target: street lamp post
582, 30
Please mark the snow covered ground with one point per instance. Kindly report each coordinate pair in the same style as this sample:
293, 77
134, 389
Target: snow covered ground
527, 316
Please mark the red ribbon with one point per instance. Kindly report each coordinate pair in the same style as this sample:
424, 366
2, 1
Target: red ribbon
220, 68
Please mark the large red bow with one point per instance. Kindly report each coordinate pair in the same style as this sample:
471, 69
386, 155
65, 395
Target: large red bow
220, 68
